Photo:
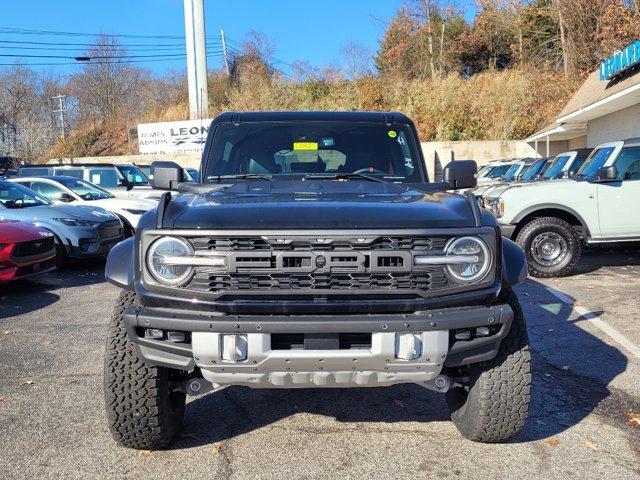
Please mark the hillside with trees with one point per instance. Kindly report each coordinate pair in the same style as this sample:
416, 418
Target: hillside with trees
503, 75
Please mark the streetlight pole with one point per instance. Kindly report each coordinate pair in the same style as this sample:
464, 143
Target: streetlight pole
196, 58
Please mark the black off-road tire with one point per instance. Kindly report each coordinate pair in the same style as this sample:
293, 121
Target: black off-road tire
142, 409
554, 226
494, 406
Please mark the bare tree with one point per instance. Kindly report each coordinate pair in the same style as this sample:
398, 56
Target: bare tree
108, 87
358, 60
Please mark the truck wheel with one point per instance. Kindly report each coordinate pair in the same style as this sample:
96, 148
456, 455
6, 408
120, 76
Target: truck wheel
493, 407
551, 245
143, 410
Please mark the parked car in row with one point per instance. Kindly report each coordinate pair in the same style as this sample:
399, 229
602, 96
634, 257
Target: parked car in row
530, 171
566, 164
550, 220
25, 250
64, 189
80, 231
122, 180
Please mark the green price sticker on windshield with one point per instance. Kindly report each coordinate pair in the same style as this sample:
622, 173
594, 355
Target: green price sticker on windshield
392, 134
305, 146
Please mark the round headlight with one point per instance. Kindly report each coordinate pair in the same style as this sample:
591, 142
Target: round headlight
163, 260
479, 259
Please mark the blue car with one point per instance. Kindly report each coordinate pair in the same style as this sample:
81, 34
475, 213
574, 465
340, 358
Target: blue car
80, 231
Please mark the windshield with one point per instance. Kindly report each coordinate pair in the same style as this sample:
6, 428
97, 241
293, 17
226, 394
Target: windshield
499, 171
533, 171
13, 195
484, 171
510, 175
555, 170
85, 190
595, 162
133, 175
304, 149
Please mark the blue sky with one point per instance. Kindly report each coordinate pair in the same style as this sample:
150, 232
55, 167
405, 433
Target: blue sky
300, 30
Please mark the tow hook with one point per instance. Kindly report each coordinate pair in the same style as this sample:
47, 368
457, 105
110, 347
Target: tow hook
199, 386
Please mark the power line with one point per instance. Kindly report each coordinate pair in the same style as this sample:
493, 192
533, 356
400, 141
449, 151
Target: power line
23, 31
100, 62
212, 41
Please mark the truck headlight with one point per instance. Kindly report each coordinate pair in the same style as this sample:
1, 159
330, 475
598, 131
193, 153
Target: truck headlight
495, 206
472, 259
166, 260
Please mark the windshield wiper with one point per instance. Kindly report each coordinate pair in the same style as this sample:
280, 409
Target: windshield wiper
240, 176
343, 176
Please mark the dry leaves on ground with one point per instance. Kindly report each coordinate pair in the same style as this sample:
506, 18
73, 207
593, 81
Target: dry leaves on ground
633, 419
552, 442
590, 444
215, 449
144, 453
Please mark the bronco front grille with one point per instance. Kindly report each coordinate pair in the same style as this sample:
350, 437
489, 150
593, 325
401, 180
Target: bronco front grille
319, 265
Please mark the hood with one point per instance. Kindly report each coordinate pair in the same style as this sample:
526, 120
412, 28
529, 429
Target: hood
535, 184
47, 212
124, 203
321, 204
15, 232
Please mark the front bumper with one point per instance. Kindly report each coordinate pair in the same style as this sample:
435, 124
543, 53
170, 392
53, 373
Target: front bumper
507, 230
265, 367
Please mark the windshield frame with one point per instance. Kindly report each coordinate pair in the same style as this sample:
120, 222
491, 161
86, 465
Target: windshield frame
616, 148
412, 137
122, 170
568, 156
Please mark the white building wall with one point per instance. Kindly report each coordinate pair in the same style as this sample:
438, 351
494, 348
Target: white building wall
615, 126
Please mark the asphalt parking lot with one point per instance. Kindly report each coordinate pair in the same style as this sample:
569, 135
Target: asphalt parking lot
585, 338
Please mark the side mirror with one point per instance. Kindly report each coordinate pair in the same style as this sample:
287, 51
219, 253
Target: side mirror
166, 175
123, 182
461, 174
607, 174
65, 198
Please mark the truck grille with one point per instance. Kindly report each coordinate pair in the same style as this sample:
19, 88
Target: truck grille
33, 247
319, 265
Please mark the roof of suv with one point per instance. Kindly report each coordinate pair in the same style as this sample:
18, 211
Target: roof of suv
69, 165
388, 117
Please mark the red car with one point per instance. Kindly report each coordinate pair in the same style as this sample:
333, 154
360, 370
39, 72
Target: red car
25, 250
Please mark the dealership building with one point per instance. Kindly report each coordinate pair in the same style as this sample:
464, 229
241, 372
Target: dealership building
606, 108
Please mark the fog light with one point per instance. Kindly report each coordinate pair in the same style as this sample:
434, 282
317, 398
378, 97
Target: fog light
483, 332
463, 334
154, 333
234, 348
176, 337
408, 346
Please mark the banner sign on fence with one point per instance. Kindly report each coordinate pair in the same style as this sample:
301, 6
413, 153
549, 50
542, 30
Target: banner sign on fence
172, 137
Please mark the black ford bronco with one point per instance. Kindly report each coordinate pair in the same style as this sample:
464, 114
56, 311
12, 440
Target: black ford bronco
315, 253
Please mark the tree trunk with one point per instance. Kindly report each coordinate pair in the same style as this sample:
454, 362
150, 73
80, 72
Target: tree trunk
427, 10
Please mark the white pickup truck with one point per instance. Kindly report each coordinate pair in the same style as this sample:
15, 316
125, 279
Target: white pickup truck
551, 220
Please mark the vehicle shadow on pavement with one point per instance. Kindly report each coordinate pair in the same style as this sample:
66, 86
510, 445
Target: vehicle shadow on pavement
608, 255
571, 371
25, 296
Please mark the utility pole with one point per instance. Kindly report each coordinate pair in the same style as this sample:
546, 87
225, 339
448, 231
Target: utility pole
61, 110
196, 59
224, 51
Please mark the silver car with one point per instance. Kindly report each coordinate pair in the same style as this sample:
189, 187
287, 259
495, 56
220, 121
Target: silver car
81, 231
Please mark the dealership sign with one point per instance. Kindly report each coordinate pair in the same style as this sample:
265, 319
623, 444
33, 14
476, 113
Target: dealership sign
173, 137
620, 61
